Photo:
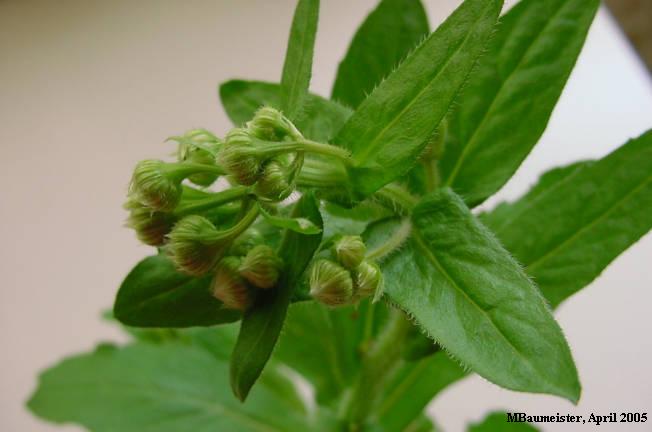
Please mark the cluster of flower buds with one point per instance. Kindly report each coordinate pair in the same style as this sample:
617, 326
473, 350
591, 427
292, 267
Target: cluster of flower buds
204, 232
348, 277
237, 278
267, 152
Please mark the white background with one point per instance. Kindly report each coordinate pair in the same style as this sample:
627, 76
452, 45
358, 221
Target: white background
87, 88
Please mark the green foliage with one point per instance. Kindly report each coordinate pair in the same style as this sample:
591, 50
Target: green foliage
155, 294
451, 114
567, 231
383, 40
165, 387
262, 324
391, 127
297, 69
508, 101
299, 225
471, 297
319, 119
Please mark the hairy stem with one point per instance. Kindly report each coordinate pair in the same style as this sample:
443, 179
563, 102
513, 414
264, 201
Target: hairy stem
376, 365
394, 242
214, 200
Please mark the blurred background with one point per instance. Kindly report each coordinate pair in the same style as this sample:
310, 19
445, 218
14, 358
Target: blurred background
88, 88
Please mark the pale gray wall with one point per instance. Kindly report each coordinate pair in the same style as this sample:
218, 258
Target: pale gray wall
87, 88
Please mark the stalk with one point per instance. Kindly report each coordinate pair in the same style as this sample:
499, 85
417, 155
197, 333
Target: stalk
376, 365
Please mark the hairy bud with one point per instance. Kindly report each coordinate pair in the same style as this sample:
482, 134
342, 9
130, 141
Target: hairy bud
195, 245
330, 283
261, 266
350, 251
199, 146
154, 187
151, 227
238, 157
274, 183
368, 280
229, 287
270, 124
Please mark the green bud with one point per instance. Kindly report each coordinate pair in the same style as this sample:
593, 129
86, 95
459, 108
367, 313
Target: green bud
270, 124
261, 266
368, 280
274, 183
330, 283
229, 287
151, 227
350, 251
195, 245
199, 146
238, 157
154, 186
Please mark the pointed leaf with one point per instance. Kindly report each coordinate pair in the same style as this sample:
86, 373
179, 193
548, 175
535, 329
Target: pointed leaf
391, 127
508, 101
385, 38
155, 294
567, 234
164, 388
297, 69
319, 118
503, 213
261, 325
413, 386
473, 299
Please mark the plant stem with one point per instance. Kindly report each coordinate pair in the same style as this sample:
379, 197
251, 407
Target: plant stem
376, 364
394, 242
432, 174
396, 198
214, 200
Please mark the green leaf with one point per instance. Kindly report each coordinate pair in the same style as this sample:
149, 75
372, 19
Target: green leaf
261, 325
391, 127
413, 386
299, 225
351, 221
473, 299
319, 119
508, 101
502, 213
385, 38
163, 388
569, 232
497, 422
155, 294
324, 345
297, 69
321, 345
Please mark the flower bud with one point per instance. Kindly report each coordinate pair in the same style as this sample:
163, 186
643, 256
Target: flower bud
368, 280
151, 227
199, 146
152, 186
195, 245
229, 287
350, 251
197, 155
330, 283
270, 124
261, 266
274, 183
238, 157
